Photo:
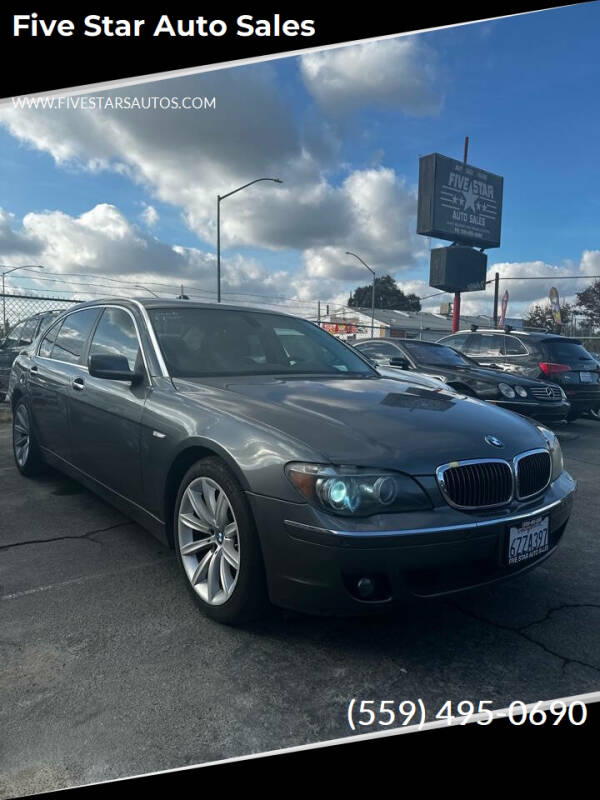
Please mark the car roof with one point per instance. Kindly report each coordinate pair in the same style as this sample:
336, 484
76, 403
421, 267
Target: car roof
534, 335
161, 303
396, 340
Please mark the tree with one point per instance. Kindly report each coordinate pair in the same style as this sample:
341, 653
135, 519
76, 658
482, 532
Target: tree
540, 316
588, 302
387, 295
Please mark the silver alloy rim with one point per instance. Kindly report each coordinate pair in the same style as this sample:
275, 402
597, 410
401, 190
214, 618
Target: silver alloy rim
209, 541
595, 412
21, 435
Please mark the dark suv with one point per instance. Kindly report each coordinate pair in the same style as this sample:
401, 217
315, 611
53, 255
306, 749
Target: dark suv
547, 356
21, 336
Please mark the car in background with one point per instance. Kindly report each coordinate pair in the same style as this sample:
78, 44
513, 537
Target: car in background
542, 401
545, 356
278, 464
594, 413
21, 335
415, 378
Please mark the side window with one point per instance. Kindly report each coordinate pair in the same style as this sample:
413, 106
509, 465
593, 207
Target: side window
457, 342
386, 351
13, 337
513, 347
48, 341
472, 345
28, 332
73, 334
116, 335
492, 344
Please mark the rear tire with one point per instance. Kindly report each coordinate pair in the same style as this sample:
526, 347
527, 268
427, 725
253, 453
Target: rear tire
217, 545
26, 451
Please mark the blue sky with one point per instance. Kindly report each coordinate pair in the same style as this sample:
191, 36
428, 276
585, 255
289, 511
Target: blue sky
524, 89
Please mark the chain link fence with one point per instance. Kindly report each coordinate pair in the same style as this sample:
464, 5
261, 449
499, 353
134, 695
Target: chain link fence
16, 307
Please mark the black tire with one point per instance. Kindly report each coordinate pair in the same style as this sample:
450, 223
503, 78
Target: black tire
26, 451
594, 413
248, 599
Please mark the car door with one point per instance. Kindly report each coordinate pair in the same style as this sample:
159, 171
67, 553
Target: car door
105, 415
56, 366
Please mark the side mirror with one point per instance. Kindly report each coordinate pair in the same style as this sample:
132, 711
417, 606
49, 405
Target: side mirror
112, 368
399, 361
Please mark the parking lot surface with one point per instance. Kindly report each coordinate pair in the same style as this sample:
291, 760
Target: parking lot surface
109, 670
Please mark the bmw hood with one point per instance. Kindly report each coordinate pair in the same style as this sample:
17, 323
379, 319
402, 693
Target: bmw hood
371, 421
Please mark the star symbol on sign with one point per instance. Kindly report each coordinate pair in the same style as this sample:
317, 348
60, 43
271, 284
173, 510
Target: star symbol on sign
469, 199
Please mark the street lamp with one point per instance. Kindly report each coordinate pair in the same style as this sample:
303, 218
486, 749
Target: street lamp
6, 272
222, 197
348, 253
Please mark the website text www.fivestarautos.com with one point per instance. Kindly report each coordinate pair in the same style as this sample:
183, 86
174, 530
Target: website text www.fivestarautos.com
115, 102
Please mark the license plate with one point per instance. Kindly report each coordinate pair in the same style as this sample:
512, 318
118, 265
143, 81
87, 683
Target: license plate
528, 540
586, 377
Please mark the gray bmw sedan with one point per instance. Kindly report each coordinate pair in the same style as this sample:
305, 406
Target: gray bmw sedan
279, 464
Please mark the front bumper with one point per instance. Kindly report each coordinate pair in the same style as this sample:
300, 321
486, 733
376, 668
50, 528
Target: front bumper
314, 566
542, 411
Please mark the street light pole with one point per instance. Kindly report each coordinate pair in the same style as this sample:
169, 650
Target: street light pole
222, 197
6, 272
348, 253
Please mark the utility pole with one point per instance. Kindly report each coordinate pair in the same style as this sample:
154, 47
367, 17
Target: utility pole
496, 288
222, 197
348, 253
456, 305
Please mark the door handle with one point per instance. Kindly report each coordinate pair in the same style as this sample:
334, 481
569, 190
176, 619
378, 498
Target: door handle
78, 384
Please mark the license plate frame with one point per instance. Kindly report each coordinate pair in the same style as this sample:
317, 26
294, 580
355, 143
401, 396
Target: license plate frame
527, 540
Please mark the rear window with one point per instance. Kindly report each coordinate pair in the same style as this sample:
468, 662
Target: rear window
565, 351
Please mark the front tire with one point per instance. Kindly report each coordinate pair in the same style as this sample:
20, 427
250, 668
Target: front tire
217, 544
28, 457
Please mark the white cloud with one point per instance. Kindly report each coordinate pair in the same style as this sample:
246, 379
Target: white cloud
395, 73
186, 158
14, 242
149, 216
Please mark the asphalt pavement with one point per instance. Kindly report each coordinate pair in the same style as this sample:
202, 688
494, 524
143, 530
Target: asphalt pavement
109, 670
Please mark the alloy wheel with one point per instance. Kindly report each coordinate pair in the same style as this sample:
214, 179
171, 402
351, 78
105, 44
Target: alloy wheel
21, 435
209, 540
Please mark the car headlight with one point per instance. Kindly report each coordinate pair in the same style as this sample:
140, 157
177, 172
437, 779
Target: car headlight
521, 390
555, 451
356, 491
506, 390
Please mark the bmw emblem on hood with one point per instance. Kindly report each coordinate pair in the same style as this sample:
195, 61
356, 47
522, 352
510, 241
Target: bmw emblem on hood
494, 441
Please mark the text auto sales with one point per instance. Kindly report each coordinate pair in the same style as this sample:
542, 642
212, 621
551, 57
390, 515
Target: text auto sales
95, 25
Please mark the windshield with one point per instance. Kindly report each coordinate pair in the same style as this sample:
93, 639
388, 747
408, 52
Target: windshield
198, 342
436, 354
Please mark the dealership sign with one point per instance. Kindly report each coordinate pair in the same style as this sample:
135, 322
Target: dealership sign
459, 202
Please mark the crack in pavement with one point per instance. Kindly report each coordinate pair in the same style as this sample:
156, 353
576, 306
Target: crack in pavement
87, 536
520, 631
